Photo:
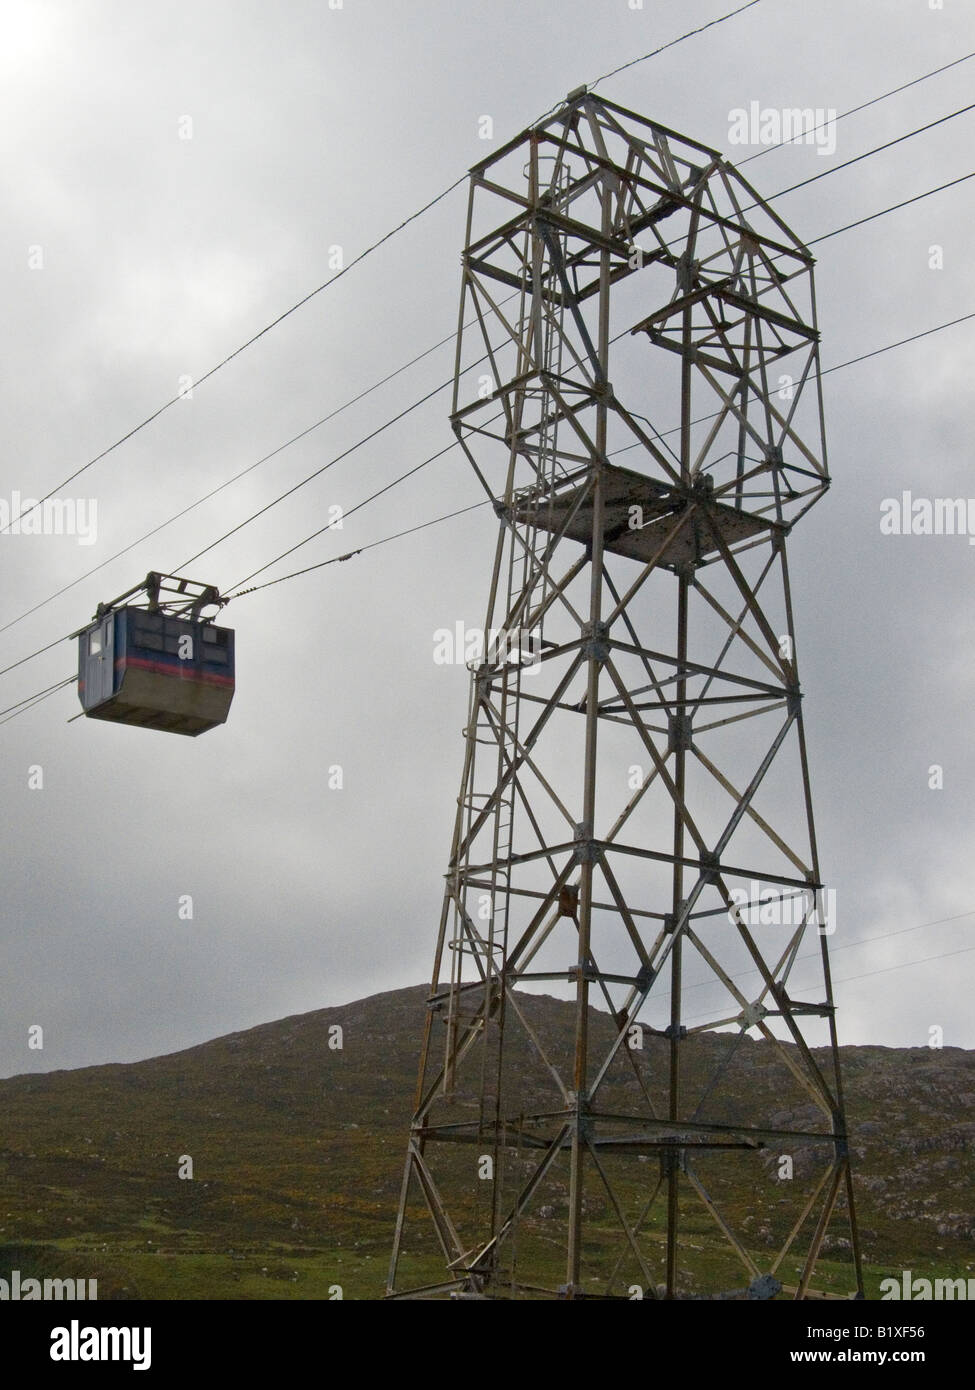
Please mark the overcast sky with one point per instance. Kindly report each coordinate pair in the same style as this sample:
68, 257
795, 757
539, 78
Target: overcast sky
173, 178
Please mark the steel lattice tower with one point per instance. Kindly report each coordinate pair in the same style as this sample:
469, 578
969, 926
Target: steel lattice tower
634, 819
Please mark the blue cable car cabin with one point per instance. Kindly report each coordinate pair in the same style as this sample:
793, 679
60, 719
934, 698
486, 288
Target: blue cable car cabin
156, 670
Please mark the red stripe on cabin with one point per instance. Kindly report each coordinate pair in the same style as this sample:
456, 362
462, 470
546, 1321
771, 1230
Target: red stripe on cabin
161, 668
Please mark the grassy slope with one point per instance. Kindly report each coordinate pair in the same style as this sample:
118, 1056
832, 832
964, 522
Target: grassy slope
297, 1155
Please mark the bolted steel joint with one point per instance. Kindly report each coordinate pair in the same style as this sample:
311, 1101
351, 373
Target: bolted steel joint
645, 978
752, 1014
584, 970
764, 1287
595, 643
585, 851
680, 733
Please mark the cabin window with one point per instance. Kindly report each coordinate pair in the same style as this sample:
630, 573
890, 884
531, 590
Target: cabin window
176, 631
216, 646
143, 636
94, 643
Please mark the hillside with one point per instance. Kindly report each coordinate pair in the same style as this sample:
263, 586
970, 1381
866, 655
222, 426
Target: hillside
297, 1155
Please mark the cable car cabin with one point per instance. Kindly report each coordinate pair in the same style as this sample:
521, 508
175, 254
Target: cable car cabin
156, 671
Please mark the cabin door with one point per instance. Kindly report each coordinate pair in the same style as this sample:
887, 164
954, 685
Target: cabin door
101, 661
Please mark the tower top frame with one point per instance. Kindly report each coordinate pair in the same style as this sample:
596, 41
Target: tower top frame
594, 202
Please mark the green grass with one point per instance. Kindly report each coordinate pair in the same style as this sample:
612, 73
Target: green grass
298, 1151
